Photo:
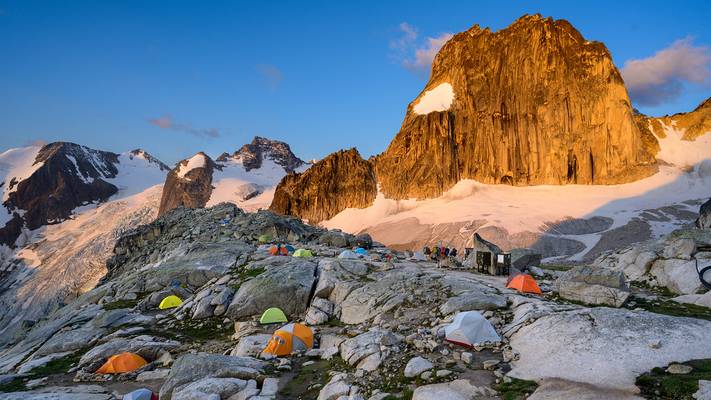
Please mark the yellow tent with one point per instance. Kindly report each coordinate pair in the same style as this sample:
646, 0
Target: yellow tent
120, 363
171, 301
303, 253
290, 338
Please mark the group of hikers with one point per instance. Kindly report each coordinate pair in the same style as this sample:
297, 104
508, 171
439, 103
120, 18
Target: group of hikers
437, 253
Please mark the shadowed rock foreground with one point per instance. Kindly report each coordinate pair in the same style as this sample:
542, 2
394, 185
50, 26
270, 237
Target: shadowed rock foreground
378, 320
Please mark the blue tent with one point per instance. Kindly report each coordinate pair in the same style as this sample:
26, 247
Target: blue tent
361, 251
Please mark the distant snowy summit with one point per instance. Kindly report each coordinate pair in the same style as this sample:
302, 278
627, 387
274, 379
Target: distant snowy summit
43, 184
252, 155
246, 177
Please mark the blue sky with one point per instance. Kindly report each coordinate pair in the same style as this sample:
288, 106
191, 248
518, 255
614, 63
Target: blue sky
176, 77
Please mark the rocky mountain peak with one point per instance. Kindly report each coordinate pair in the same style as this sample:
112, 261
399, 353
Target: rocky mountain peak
341, 180
61, 177
253, 154
534, 103
140, 153
86, 162
189, 184
693, 123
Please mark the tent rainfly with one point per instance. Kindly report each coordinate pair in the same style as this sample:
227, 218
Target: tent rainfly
470, 328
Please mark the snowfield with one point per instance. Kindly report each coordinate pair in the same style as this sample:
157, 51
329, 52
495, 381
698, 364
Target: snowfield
17, 164
250, 190
685, 174
437, 99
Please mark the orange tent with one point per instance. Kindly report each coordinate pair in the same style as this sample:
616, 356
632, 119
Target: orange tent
290, 338
278, 250
524, 283
120, 363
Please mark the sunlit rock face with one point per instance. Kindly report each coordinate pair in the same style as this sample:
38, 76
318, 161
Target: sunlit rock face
534, 103
339, 181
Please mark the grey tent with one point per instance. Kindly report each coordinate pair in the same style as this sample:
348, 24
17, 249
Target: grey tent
140, 394
348, 254
470, 328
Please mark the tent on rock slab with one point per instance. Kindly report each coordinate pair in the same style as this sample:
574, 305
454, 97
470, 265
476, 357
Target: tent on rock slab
290, 338
140, 394
524, 283
347, 254
303, 253
122, 363
470, 328
171, 301
272, 316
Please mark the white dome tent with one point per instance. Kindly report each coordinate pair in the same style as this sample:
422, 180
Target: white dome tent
470, 328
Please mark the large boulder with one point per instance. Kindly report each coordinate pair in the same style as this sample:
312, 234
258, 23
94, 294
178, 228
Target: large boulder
190, 368
70, 340
460, 389
367, 350
605, 347
677, 275
222, 388
416, 366
319, 312
336, 388
468, 301
287, 287
251, 346
595, 286
522, 259
682, 248
380, 294
145, 346
704, 220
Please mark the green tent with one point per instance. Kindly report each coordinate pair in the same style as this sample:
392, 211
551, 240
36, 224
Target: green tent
265, 238
303, 253
272, 316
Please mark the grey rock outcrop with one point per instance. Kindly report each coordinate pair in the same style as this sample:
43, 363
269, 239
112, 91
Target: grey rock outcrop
367, 350
339, 181
704, 220
193, 367
600, 335
416, 366
287, 287
594, 286
191, 189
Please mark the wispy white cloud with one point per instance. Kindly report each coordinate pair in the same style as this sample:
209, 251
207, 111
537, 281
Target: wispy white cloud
414, 54
271, 74
167, 122
36, 142
660, 78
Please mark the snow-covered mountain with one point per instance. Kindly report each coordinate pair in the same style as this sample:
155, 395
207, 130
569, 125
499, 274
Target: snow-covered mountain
45, 185
577, 222
63, 207
246, 178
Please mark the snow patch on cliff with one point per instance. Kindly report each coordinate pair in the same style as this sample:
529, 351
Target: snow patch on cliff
683, 153
196, 161
17, 164
437, 99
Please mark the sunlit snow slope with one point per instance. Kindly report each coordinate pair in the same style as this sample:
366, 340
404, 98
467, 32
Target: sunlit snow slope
59, 261
250, 190
549, 217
